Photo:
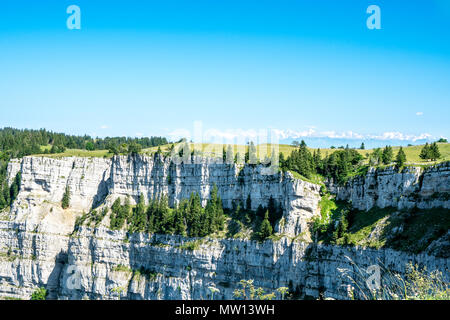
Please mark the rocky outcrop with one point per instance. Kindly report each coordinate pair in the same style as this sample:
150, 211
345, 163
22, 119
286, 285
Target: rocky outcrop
38, 245
419, 187
104, 264
93, 181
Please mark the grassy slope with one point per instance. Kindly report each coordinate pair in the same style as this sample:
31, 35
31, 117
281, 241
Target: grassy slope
412, 153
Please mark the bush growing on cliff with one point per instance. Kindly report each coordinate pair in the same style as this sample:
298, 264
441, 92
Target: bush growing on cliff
65, 203
8, 194
39, 294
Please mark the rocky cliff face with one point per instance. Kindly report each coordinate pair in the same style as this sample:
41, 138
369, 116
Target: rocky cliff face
93, 181
413, 187
104, 264
39, 248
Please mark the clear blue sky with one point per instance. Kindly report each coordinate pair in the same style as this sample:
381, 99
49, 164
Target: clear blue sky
152, 67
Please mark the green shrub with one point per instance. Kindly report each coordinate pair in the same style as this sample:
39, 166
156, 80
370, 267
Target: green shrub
39, 294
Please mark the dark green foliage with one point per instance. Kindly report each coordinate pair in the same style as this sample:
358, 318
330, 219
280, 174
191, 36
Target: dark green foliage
362, 146
265, 229
376, 157
39, 294
15, 143
387, 155
139, 216
442, 140
425, 153
188, 218
15, 187
340, 164
434, 152
401, 158
119, 214
430, 152
134, 148
18, 143
301, 161
65, 203
342, 226
90, 146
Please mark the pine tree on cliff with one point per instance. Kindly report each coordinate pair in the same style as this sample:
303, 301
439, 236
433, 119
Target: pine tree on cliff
140, 216
401, 158
15, 186
179, 225
65, 203
265, 230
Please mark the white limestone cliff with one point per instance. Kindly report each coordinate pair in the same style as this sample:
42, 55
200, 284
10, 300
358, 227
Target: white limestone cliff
39, 248
424, 188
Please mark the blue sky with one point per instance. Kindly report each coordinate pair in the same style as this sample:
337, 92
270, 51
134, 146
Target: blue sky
155, 67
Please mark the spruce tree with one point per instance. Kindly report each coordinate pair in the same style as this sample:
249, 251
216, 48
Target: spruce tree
401, 158
265, 230
140, 221
179, 225
15, 186
434, 151
387, 155
425, 153
65, 203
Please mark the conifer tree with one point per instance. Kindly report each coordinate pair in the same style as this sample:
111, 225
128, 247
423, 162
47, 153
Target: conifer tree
401, 158
179, 224
140, 221
265, 230
425, 153
65, 203
387, 155
434, 151
15, 186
